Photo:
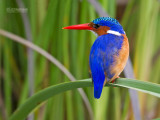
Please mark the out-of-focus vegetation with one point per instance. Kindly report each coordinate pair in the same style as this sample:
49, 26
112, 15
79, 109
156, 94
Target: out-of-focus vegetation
141, 21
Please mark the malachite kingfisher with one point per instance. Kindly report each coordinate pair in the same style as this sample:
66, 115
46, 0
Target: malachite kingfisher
109, 52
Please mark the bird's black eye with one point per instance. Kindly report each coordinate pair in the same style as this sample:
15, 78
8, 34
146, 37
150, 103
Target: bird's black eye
96, 26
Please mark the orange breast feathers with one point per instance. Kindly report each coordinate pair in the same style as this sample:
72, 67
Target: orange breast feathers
121, 60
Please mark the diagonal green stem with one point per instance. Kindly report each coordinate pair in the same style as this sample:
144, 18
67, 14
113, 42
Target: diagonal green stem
38, 98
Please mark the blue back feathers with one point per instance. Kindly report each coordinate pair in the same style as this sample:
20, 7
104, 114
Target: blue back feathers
110, 22
101, 58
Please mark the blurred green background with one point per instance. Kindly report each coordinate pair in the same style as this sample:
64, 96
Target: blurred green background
141, 21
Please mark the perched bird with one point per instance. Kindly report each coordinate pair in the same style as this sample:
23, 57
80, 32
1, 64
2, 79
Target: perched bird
109, 53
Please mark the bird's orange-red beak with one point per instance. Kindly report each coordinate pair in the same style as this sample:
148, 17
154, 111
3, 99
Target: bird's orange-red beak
79, 27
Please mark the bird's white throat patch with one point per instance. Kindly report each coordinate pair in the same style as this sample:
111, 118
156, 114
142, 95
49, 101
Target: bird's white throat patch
114, 32
94, 33
109, 31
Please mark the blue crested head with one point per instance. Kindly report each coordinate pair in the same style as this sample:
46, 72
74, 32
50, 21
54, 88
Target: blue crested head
105, 21
109, 22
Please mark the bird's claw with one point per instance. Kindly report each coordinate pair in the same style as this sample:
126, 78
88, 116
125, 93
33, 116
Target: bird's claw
114, 79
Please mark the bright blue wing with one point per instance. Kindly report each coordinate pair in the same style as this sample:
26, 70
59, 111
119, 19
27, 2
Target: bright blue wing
101, 58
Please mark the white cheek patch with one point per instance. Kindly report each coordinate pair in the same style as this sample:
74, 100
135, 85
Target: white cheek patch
94, 33
114, 32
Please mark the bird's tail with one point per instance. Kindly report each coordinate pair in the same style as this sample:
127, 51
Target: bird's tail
98, 81
98, 91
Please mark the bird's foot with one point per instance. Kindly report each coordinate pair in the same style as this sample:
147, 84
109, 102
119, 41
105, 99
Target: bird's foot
114, 79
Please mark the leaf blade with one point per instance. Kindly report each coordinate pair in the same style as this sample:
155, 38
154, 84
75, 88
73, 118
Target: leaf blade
47, 93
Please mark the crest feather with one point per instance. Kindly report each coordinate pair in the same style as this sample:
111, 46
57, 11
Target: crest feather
109, 19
